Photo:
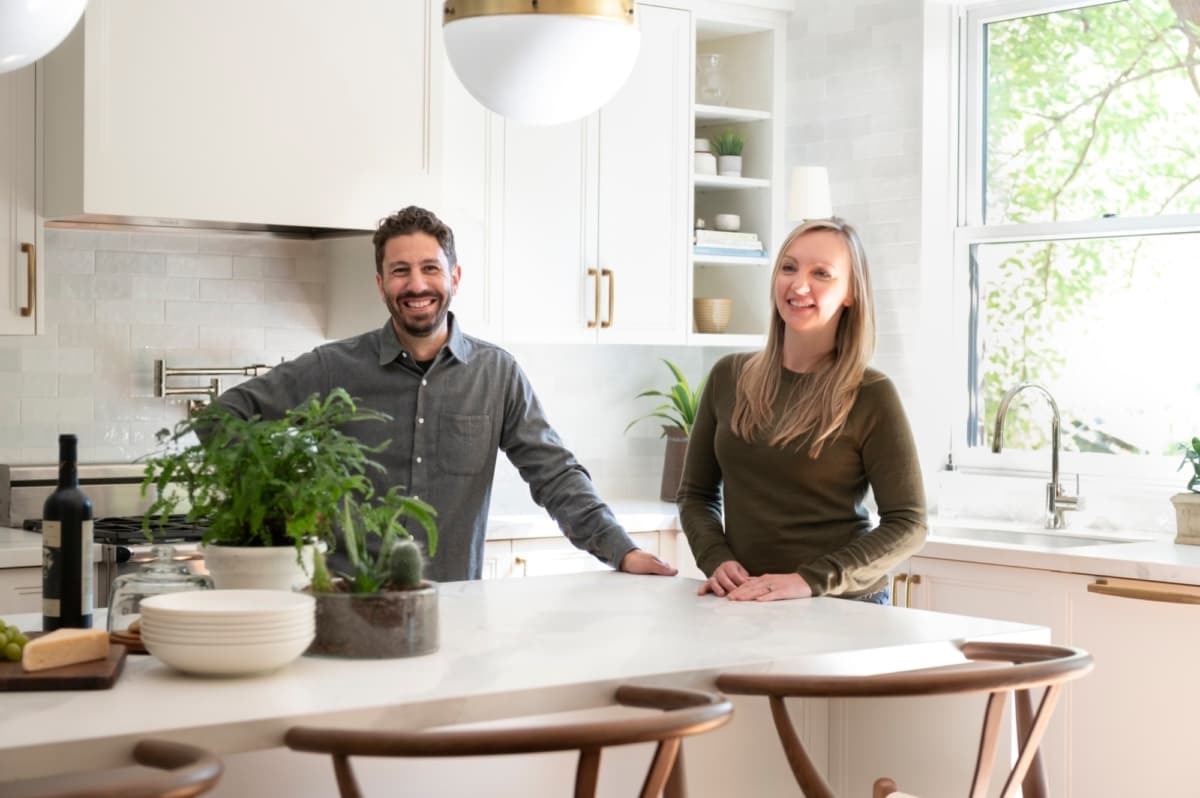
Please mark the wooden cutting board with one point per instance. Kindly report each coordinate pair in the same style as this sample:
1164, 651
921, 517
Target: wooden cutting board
99, 674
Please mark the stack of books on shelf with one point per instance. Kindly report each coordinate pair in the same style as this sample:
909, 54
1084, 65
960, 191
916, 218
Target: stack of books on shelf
721, 242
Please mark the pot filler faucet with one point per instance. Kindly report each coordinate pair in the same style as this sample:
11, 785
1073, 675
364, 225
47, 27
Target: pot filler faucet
1056, 501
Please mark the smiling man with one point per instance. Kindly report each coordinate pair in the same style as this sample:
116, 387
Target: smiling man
455, 401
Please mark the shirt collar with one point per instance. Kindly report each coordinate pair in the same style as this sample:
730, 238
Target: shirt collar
458, 344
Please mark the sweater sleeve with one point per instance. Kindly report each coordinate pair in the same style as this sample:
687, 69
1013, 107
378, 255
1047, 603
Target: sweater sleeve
889, 457
699, 499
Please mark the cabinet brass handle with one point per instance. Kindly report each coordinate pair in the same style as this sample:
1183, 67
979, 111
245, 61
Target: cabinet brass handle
1143, 593
31, 283
524, 563
595, 295
611, 298
897, 580
915, 579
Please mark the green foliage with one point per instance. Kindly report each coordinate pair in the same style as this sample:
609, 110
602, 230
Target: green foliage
1077, 105
396, 562
680, 410
1191, 454
263, 483
730, 142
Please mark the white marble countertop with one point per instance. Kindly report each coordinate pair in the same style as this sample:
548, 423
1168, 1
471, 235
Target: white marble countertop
20, 549
508, 647
1146, 556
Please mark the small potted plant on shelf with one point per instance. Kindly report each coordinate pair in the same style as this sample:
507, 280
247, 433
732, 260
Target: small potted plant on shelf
728, 147
267, 491
680, 411
1187, 505
383, 607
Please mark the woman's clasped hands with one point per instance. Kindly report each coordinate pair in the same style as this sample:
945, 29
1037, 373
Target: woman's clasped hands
734, 582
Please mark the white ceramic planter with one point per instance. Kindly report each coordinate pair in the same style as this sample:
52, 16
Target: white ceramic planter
1187, 518
262, 567
729, 165
704, 163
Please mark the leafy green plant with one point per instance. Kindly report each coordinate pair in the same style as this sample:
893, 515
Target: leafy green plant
680, 410
396, 561
255, 482
729, 142
1191, 454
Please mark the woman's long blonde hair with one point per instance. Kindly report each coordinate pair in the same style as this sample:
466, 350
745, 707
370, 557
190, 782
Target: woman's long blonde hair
817, 411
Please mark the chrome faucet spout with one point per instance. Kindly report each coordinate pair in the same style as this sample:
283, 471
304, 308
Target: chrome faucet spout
1056, 500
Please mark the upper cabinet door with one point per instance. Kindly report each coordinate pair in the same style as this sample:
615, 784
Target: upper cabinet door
282, 112
20, 286
595, 231
642, 206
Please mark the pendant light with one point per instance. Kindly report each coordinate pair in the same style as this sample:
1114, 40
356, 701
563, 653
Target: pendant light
808, 195
541, 62
31, 28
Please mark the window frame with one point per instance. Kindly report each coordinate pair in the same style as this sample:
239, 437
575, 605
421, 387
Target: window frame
967, 165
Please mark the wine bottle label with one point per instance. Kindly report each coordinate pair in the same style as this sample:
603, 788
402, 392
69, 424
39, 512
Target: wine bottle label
87, 570
52, 534
53, 578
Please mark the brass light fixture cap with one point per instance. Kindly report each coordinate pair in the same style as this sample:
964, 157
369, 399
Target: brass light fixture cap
617, 10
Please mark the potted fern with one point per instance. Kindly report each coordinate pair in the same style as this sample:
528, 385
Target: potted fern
680, 411
1187, 505
267, 491
382, 607
728, 147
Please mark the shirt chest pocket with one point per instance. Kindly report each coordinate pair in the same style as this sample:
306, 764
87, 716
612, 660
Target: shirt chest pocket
463, 441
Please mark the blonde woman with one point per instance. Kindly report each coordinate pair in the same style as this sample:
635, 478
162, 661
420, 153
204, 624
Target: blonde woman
787, 440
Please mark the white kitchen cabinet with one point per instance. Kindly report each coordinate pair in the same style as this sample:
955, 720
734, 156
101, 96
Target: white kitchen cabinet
519, 557
594, 231
1125, 729
20, 590
1132, 720
299, 113
21, 289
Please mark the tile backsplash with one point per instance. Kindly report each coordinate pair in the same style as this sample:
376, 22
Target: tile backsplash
117, 299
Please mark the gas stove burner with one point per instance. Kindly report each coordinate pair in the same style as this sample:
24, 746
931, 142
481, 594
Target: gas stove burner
127, 530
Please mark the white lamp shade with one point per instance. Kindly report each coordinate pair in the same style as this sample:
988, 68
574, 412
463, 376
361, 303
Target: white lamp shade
541, 69
31, 28
808, 195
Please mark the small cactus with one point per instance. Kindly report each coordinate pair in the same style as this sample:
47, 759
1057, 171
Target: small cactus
407, 564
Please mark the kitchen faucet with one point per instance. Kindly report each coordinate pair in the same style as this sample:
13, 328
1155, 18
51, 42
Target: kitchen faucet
1056, 501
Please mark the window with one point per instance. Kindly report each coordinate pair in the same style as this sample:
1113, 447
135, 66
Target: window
1078, 246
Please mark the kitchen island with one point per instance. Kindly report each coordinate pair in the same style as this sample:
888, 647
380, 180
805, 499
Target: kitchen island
508, 647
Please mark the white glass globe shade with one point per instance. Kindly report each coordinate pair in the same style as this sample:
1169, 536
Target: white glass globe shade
31, 28
542, 69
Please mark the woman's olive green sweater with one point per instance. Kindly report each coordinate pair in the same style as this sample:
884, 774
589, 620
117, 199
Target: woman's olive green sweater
785, 512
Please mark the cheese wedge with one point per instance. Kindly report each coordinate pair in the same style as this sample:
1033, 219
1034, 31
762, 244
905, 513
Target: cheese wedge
64, 647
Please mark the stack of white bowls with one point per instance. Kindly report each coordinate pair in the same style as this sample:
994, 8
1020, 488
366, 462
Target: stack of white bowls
228, 632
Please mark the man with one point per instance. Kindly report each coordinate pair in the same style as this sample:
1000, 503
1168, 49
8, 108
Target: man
455, 401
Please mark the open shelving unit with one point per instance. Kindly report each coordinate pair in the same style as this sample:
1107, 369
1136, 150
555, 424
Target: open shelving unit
751, 67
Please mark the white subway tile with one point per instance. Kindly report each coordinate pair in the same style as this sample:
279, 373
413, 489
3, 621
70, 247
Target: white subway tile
160, 288
278, 291
165, 336
69, 286
169, 241
75, 360
76, 385
113, 286
10, 361
70, 261
231, 290
121, 262
226, 338
245, 268
128, 311
211, 266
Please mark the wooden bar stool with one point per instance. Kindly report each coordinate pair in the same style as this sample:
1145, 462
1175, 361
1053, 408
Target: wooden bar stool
181, 772
1014, 667
684, 713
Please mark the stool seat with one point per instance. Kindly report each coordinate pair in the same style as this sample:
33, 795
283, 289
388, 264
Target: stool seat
1010, 668
681, 713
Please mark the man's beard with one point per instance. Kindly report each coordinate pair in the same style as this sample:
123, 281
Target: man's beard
423, 329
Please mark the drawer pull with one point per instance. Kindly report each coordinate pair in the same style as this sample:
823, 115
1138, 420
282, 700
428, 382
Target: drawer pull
896, 581
31, 279
915, 580
1143, 593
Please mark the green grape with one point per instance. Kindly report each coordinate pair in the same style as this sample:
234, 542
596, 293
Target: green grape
12, 652
20, 640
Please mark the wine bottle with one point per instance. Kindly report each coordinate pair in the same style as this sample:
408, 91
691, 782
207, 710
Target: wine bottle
67, 547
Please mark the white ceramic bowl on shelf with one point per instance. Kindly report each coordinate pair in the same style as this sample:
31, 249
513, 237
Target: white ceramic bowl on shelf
729, 222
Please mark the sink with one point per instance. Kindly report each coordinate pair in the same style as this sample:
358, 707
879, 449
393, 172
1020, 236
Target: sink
1007, 537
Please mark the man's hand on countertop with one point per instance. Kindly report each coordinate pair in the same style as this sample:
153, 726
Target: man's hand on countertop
643, 562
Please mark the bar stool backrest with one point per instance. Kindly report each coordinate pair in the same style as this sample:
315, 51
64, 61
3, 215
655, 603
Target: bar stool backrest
180, 771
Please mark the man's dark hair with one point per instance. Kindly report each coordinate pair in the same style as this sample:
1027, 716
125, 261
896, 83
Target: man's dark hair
413, 220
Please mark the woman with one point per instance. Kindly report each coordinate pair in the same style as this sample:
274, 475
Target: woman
795, 434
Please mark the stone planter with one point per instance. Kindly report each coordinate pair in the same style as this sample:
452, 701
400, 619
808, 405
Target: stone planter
673, 458
259, 567
1187, 518
393, 623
